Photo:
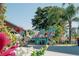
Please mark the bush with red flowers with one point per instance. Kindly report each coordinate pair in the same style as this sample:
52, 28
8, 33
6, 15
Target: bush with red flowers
4, 41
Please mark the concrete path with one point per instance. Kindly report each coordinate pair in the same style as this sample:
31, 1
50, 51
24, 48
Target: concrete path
49, 53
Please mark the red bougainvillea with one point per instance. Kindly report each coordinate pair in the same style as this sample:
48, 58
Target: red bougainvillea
4, 41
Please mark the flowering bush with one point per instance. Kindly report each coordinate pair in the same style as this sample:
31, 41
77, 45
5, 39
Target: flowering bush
4, 41
24, 51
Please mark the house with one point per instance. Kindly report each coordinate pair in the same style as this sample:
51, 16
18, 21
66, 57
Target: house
75, 27
15, 27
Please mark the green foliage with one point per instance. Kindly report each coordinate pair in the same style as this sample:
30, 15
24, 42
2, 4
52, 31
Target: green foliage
59, 31
69, 15
40, 52
3, 27
52, 42
47, 16
31, 32
2, 11
75, 35
55, 16
11, 35
50, 16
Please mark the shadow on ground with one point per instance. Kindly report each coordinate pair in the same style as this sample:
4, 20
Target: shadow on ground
74, 50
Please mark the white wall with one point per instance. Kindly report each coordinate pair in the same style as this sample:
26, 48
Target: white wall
75, 24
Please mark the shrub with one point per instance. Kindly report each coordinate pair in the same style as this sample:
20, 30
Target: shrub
40, 52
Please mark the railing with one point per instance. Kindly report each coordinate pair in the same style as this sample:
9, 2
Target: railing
39, 40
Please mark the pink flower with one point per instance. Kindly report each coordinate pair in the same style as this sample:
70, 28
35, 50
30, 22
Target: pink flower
10, 51
4, 40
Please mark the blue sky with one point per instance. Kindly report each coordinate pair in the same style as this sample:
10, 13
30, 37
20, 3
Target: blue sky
21, 14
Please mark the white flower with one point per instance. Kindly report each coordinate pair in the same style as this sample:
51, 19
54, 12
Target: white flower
23, 51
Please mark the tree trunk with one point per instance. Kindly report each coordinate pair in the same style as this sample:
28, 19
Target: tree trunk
70, 27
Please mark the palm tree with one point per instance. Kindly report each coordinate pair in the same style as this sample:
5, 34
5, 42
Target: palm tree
2, 12
69, 15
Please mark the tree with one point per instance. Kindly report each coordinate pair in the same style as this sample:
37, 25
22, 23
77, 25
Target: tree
31, 32
54, 16
47, 16
50, 17
2, 11
39, 21
2, 17
69, 15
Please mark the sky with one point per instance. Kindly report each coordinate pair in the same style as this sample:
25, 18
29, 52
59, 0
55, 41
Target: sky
21, 14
